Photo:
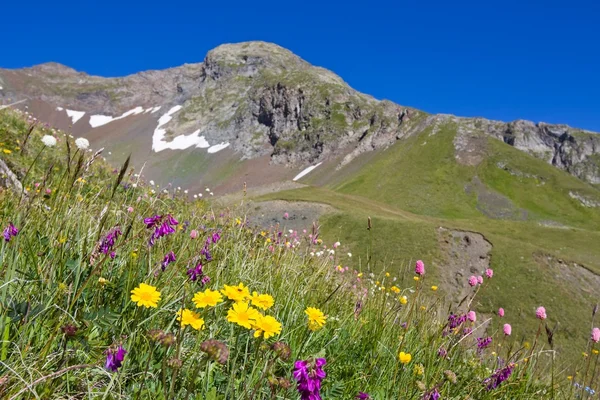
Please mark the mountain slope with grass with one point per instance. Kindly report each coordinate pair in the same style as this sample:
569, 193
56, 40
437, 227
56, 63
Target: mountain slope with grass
110, 289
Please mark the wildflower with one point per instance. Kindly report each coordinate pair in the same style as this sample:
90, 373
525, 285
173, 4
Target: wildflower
266, 326
434, 288
595, 335
130, 209
102, 281
387, 274
188, 317
403, 300
49, 141
207, 298
471, 316
540, 313
309, 375
69, 330
350, 255
498, 377
6, 151
595, 351
286, 216
416, 278
472, 280
316, 318
145, 295
501, 312
483, 343
262, 301
195, 272
282, 350
82, 143
163, 226
109, 241
169, 258
489, 273
10, 231
420, 268
114, 359
216, 350
236, 293
242, 314
442, 352
570, 377
362, 396
433, 394
395, 289
194, 234
404, 357
480, 279
454, 321
507, 329
419, 370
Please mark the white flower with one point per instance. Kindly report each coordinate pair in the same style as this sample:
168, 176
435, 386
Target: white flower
152, 183
212, 194
185, 191
178, 187
199, 194
82, 143
49, 141
134, 185
207, 189
350, 255
195, 196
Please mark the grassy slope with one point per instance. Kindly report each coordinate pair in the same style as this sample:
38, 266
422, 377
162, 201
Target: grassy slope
416, 186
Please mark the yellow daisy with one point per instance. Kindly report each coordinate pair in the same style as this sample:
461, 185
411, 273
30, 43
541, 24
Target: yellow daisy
188, 317
316, 318
207, 298
242, 314
266, 326
145, 295
262, 301
236, 293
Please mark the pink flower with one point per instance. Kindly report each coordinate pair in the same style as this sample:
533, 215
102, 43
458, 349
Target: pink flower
129, 209
501, 312
194, 234
480, 279
540, 313
336, 244
489, 272
473, 280
420, 268
595, 335
286, 216
48, 191
471, 316
507, 329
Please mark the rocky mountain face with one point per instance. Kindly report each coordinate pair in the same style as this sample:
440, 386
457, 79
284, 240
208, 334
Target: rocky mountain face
262, 100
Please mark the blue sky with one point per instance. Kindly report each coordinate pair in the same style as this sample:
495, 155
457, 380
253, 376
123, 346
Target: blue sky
505, 60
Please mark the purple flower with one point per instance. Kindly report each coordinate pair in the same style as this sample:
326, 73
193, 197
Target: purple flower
10, 231
362, 396
442, 352
205, 279
454, 321
216, 237
309, 375
498, 377
196, 272
163, 226
169, 258
483, 343
433, 394
108, 242
114, 359
152, 221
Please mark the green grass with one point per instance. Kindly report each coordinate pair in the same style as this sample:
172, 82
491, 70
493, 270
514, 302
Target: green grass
64, 303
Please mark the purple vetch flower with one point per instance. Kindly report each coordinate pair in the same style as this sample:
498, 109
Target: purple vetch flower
107, 244
309, 375
163, 226
10, 231
442, 352
215, 237
205, 280
454, 321
433, 394
498, 377
196, 272
169, 258
114, 359
483, 343
362, 396
151, 222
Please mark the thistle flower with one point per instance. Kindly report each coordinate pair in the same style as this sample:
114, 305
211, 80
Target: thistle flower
420, 268
595, 335
472, 280
169, 258
82, 143
10, 231
49, 141
216, 350
114, 359
540, 313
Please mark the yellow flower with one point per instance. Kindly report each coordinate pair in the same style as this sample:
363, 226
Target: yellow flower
419, 369
395, 289
316, 318
266, 326
377, 283
188, 317
263, 233
403, 300
242, 314
236, 293
268, 240
62, 239
387, 274
416, 278
134, 254
570, 377
404, 357
423, 308
584, 354
145, 295
17, 148
359, 275
526, 345
595, 351
207, 298
102, 281
79, 197
434, 288
262, 301
238, 221
339, 268
6, 151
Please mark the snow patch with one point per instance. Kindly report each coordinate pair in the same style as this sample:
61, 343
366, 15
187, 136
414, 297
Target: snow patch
75, 115
155, 109
181, 142
99, 120
306, 171
218, 147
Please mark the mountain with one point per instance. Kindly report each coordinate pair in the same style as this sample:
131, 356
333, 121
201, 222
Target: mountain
265, 111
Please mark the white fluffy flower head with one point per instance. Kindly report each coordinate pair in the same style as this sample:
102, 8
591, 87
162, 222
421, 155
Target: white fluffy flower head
49, 140
82, 143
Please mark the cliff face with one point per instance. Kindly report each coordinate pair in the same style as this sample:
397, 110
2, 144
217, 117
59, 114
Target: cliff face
264, 100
